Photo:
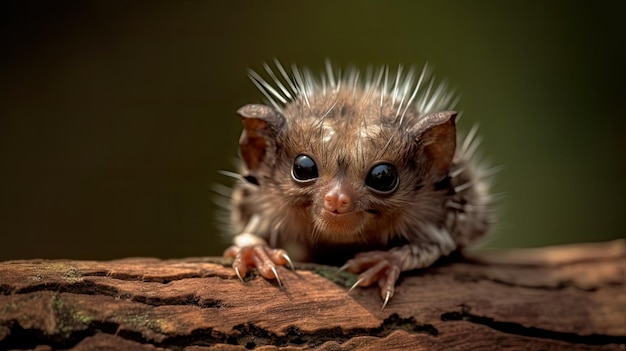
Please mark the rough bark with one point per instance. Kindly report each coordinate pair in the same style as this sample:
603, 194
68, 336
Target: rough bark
567, 297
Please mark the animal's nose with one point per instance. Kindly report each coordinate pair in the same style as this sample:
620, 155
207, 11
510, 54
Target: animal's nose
340, 198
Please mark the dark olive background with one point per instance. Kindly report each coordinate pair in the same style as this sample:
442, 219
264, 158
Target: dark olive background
115, 116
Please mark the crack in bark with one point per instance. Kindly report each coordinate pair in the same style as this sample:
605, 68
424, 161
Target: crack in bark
248, 335
534, 332
21, 338
182, 300
141, 278
91, 288
154, 279
6, 289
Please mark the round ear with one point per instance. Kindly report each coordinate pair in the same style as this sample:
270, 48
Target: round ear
258, 144
436, 138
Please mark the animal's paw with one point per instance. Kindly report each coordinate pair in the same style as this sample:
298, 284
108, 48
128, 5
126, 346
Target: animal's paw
383, 267
260, 256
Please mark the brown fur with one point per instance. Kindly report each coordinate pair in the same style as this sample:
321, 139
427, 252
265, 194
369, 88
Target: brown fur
346, 131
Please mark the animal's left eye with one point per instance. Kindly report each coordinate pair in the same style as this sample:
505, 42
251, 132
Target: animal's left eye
382, 178
304, 169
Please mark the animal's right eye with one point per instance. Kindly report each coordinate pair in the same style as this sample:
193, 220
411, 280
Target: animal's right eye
382, 178
304, 169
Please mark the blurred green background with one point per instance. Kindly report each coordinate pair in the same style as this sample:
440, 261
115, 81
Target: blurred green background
116, 116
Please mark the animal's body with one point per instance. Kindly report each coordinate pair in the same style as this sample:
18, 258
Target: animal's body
358, 170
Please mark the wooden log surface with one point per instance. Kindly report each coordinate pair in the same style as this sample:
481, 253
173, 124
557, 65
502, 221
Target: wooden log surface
557, 298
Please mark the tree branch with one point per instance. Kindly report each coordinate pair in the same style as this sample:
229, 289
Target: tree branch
567, 297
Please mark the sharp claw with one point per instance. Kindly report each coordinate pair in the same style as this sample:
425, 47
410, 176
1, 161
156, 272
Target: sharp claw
238, 274
356, 284
286, 257
387, 297
342, 268
280, 283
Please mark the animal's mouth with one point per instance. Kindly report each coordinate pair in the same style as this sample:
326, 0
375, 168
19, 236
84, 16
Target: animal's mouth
337, 216
337, 213
340, 227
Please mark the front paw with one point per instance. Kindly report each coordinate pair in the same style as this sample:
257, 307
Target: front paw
383, 267
259, 256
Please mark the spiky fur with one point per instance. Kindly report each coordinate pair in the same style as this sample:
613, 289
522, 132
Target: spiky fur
348, 122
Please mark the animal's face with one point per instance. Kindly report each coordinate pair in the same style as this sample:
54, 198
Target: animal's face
352, 165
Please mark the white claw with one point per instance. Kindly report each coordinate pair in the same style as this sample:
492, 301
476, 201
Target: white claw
286, 257
342, 268
277, 277
356, 284
238, 274
387, 297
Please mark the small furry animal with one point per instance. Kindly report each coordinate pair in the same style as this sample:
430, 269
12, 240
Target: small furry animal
363, 168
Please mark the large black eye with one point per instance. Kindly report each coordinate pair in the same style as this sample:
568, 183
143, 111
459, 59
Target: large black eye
304, 169
382, 178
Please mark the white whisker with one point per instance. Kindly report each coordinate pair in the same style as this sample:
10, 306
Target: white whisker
456, 172
277, 81
222, 189
385, 86
283, 72
302, 86
469, 138
469, 153
231, 174
464, 186
330, 74
394, 94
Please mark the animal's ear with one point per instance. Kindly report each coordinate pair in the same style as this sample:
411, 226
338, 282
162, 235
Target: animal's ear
436, 137
261, 126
